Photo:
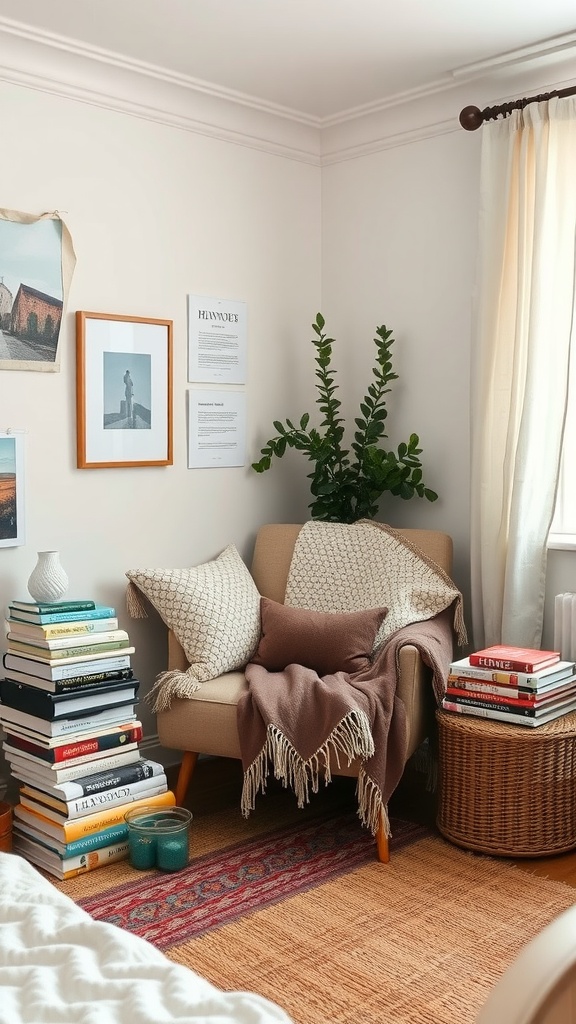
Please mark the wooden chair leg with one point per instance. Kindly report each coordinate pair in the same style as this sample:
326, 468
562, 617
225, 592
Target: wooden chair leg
185, 775
382, 844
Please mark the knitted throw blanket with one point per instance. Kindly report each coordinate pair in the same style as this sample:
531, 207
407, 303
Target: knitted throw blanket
294, 722
345, 568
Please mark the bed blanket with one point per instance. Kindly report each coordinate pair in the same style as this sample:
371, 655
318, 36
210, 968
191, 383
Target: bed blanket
59, 966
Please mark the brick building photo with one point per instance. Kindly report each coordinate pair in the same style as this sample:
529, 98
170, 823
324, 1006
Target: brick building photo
36, 317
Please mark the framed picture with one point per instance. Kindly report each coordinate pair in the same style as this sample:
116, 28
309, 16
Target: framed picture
123, 391
11, 488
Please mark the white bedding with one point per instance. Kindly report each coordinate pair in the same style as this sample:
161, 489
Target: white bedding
59, 966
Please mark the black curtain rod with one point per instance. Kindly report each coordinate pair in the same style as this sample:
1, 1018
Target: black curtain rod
472, 117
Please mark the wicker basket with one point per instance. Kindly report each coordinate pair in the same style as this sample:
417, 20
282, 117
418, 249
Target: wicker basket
507, 790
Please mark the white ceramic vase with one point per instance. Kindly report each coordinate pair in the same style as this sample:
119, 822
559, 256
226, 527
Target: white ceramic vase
48, 582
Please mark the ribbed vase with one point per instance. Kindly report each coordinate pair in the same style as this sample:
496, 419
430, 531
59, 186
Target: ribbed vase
48, 582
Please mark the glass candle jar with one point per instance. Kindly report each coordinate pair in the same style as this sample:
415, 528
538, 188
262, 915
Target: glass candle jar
158, 838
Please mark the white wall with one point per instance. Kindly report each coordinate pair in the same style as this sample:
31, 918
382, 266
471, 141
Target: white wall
400, 198
399, 243
155, 213
165, 193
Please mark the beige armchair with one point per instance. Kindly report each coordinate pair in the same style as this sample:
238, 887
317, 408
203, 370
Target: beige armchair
205, 723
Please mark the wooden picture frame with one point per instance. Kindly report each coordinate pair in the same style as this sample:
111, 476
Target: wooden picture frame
123, 391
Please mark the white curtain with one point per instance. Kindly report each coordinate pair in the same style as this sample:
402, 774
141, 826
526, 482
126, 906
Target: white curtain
520, 362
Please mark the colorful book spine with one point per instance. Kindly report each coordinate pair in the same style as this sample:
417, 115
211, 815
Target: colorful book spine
38, 801
37, 772
507, 716
38, 703
71, 683
126, 775
64, 868
60, 642
33, 728
42, 608
58, 632
67, 751
90, 679
528, 680
479, 700
481, 688
50, 654
101, 611
69, 831
94, 841
513, 659
65, 675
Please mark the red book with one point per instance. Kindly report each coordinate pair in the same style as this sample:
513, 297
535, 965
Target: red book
525, 701
514, 659
90, 745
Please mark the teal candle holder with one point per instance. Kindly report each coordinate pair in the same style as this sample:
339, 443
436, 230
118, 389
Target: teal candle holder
141, 850
172, 850
158, 838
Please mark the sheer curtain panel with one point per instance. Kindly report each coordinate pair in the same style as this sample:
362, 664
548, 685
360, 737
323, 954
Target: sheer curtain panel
520, 362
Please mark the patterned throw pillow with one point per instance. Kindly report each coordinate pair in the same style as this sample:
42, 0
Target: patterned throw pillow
213, 609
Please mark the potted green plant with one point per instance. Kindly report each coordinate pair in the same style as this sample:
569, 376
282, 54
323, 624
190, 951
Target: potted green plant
346, 484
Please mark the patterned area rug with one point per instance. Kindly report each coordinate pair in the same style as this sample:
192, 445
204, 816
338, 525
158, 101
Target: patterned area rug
217, 888
299, 909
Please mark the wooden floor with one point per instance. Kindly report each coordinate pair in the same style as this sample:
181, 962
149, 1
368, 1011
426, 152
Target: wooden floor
217, 784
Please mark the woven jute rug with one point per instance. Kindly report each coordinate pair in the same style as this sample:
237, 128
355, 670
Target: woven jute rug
316, 924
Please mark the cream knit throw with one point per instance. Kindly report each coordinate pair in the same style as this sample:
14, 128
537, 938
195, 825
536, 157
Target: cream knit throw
338, 567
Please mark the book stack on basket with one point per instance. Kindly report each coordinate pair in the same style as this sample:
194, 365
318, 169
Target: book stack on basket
520, 685
71, 735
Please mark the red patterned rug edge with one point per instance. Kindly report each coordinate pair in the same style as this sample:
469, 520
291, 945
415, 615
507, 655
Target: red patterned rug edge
224, 885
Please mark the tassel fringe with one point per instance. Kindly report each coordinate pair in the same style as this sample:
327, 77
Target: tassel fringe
351, 737
134, 603
170, 686
371, 808
459, 625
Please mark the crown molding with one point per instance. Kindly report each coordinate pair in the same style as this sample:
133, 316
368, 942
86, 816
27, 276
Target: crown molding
389, 102
56, 65
140, 67
435, 111
388, 140
543, 50
52, 64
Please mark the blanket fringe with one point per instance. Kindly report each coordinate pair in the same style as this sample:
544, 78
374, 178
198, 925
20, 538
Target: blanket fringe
371, 808
351, 737
170, 686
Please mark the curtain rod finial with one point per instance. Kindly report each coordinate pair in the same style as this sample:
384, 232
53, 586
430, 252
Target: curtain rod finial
470, 118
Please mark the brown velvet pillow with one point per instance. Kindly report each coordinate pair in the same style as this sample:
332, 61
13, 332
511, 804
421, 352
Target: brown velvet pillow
327, 642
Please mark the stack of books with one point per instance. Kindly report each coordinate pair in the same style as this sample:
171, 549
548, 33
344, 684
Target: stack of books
520, 685
68, 713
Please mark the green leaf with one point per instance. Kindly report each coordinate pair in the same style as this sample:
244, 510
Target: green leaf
344, 490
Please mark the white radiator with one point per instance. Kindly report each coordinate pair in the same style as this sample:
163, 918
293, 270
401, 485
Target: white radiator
565, 626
